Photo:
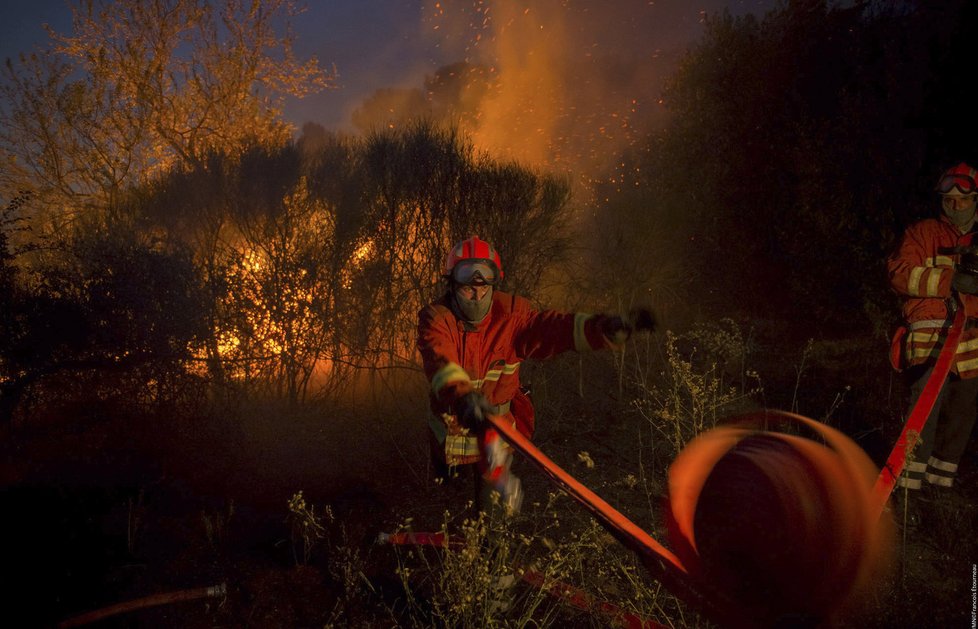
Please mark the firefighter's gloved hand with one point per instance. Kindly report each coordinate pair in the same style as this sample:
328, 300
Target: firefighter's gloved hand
615, 329
618, 329
642, 320
472, 409
965, 283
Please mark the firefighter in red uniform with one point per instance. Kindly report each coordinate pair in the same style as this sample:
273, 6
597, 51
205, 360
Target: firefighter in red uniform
932, 272
472, 342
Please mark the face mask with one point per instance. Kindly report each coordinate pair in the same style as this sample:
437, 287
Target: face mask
473, 310
961, 213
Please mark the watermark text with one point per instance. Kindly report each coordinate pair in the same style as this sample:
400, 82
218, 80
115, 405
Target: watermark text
974, 596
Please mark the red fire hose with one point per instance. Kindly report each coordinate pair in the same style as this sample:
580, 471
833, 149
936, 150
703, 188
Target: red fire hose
662, 563
214, 591
920, 412
623, 528
657, 559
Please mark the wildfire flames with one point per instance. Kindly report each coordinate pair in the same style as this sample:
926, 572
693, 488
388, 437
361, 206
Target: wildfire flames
569, 81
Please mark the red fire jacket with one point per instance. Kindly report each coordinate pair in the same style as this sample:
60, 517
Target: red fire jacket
922, 276
459, 358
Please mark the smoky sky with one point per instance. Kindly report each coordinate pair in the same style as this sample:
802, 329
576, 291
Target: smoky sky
377, 44
591, 47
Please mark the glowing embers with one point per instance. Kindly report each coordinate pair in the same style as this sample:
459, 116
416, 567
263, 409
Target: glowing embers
271, 316
779, 526
362, 254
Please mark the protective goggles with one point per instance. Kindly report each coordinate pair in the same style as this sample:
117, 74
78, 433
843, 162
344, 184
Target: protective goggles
475, 273
961, 182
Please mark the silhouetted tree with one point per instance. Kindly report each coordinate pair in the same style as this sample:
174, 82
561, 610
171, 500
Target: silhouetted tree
317, 254
119, 323
427, 188
797, 148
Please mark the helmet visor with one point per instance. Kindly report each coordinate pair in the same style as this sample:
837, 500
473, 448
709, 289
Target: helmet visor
960, 182
475, 273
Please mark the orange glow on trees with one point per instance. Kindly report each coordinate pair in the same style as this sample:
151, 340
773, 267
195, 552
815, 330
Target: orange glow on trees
139, 87
312, 259
278, 325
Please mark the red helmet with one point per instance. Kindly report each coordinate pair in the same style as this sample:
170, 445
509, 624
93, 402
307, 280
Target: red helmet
961, 177
474, 261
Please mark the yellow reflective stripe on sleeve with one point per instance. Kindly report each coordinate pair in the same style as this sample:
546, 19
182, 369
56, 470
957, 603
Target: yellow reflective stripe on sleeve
913, 284
943, 261
452, 372
493, 375
580, 338
934, 282
918, 286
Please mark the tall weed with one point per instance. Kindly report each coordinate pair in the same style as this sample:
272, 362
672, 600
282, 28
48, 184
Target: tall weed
694, 389
308, 527
528, 570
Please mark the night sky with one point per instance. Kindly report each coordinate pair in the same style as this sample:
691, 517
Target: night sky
395, 43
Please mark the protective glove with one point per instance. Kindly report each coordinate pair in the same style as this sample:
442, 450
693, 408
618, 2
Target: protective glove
472, 409
615, 329
618, 329
965, 283
642, 320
